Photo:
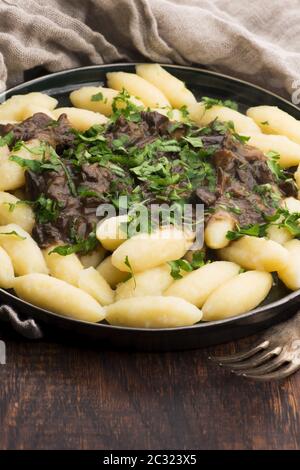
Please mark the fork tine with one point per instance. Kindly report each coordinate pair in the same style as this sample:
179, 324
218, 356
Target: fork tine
241, 355
254, 361
279, 374
267, 367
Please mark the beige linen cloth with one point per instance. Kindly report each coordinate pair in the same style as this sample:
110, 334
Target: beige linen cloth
256, 40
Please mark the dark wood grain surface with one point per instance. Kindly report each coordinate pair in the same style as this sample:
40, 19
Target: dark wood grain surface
57, 395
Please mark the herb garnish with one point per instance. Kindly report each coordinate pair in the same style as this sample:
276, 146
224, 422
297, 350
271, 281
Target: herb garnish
79, 246
127, 263
210, 102
7, 139
183, 265
98, 97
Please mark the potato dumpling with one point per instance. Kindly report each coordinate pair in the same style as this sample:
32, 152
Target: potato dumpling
173, 88
292, 204
150, 282
23, 251
111, 274
80, 119
243, 125
6, 270
31, 109
13, 108
58, 296
145, 251
256, 253
216, 230
13, 210
290, 275
99, 99
196, 286
238, 295
149, 94
66, 268
273, 120
93, 258
12, 175
91, 281
153, 312
278, 234
289, 151
110, 232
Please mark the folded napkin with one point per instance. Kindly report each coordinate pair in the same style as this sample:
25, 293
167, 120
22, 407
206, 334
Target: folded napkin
258, 41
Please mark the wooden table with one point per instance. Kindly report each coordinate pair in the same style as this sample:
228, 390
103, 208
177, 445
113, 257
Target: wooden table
64, 396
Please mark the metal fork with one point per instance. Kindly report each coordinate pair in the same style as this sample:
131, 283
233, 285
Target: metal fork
275, 356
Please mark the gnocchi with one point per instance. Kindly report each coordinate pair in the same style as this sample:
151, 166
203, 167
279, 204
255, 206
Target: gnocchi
58, 296
23, 251
173, 88
13, 210
196, 286
80, 119
110, 273
67, 268
240, 294
147, 251
256, 253
202, 116
7, 275
149, 94
91, 281
152, 312
99, 99
150, 282
273, 120
290, 274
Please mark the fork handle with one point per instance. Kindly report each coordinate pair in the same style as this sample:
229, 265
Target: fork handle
27, 328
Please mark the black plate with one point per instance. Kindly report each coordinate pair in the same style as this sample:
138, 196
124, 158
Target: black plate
275, 308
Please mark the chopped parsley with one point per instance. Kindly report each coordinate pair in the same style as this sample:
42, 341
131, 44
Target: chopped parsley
98, 97
273, 159
79, 246
7, 139
46, 209
183, 265
255, 230
210, 102
127, 263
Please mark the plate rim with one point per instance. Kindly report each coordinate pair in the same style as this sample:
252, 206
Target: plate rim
215, 323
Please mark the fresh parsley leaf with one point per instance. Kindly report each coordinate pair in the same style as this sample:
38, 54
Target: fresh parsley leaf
210, 102
82, 246
122, 105
82, 191
195, 142
46, 209
7, 139
127, 263
254, 230
177, 266
265, 123
33, 165
198, 259
98, 97
184, 111
272, 162
243, 139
